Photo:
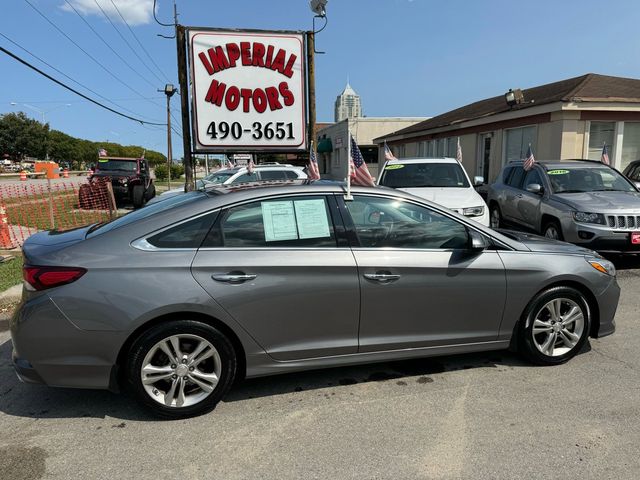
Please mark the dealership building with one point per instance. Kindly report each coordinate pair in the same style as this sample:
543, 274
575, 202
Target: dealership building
567, 119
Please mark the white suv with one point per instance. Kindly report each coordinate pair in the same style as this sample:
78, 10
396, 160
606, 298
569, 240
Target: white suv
441, 180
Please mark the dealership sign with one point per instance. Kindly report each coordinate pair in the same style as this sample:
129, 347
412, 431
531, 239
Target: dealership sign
248, 90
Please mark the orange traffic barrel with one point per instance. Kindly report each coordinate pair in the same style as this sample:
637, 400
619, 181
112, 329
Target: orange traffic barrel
65, 173
23, 175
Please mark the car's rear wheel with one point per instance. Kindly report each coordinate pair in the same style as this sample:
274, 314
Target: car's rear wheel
495, 217
181, 368
555, 326
552, 230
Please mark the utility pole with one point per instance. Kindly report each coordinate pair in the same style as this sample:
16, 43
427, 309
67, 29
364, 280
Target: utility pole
311, 71
169, 91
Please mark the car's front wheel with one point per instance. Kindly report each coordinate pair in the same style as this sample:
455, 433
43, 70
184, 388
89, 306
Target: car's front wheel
552, 230
555, 326
495, 217
181, 368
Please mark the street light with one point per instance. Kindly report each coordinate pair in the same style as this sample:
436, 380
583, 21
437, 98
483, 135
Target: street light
319, 7
169, 91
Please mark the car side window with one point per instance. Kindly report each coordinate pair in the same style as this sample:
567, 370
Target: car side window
634, 173
533, 176
505, 175
189, 234
246, 177
283, 222
272, 175
385, 222
291, 175
515, 180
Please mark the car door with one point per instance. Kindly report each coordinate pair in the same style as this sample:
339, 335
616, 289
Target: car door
283, 269
512, 193
420, 284
528, 204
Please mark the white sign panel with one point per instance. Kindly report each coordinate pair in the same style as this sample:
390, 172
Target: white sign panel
248, 90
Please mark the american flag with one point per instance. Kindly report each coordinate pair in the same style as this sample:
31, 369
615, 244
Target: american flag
529, 160
605, 155
312, 168
102, 152
358, 169
459, 152
388, 154
250, 166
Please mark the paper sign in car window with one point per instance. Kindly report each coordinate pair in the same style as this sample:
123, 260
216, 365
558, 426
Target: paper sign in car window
279, 221
558, 172
395, 166
312, 218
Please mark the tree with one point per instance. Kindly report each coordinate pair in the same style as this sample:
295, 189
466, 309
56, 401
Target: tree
22, 137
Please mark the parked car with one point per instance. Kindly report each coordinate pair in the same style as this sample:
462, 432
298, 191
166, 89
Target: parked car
580, 201
176, 300
632, 172
130, 178
266, 172
441, 180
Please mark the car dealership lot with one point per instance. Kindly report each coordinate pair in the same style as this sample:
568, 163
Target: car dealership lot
487, 415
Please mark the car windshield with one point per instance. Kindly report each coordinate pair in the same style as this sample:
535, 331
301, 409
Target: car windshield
592, 179
218, 178
413, 175
109, 165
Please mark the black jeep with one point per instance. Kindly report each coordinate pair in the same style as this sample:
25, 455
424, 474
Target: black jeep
130, 178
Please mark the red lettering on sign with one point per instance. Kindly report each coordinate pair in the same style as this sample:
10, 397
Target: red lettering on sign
206, 63
258, 53
215, 94
278, 62
245, 52
259, 100
218, 59
233, 52
288, 70
267, 62
273, 98
246, 96
232, 99
287, 96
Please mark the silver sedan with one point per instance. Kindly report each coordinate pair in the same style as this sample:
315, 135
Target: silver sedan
175, 301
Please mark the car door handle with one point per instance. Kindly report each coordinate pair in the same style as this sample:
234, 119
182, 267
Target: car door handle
381, 277
233, 277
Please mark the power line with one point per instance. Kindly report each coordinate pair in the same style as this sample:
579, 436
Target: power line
138, 40
24, 62
119, 80
126, 41
68, 77
107, 44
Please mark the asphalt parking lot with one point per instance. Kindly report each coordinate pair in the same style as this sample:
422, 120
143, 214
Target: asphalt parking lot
477, 416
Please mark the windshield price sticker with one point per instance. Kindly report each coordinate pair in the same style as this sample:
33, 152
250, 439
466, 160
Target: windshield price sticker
557, 172
248, 90
394, 167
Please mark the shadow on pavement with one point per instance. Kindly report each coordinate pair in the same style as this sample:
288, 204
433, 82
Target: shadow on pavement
625, 262
37, 401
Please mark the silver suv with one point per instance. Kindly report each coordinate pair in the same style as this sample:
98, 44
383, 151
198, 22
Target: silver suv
579, 201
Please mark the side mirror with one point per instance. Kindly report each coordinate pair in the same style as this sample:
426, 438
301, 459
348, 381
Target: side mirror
535, 188
477, 241
478, 181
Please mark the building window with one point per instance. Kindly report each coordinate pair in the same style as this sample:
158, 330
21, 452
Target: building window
601, 133
432, 148
517, 142
452, 143
440, 151
630, 144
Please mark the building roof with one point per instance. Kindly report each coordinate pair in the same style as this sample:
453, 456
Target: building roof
349, 91
591, 87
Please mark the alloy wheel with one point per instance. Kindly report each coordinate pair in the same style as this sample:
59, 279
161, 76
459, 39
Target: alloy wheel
181, 370
495, 218
558, 327
552, 232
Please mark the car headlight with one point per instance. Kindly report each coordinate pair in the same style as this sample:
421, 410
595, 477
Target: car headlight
586, 217
602, 265
473, 211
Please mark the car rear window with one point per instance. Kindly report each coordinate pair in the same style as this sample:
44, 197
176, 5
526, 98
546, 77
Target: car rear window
189, 234
415, 175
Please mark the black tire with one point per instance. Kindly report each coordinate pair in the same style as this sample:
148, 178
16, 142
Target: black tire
552, 226
528, 341
151, 192
146, 342
495, 217
137, 196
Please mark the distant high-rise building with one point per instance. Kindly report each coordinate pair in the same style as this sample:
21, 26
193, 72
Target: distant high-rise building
348, 104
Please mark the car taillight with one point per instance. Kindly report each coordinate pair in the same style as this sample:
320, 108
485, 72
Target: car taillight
41, 278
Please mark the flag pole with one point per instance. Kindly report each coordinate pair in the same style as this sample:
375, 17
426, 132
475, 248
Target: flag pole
348, 195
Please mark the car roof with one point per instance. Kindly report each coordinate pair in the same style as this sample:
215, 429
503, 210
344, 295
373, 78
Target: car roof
553, 164
422, 160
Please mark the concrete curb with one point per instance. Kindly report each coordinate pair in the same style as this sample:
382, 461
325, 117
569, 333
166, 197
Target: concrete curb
12, 294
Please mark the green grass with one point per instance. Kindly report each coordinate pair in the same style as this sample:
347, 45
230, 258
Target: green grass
10, 273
